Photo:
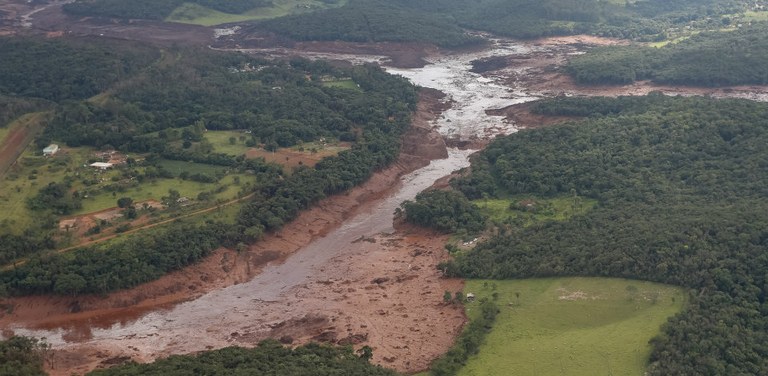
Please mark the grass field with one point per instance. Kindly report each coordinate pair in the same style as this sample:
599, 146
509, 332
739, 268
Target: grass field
344, 84
756, 16
221, 144
199, 15
530, 210
571, 326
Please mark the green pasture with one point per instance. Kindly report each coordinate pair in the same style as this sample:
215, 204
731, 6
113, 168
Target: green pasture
177, 167
571, 326
30, 173
756, 15
553, 209
155, 190
199, 15
343, 84
221, 143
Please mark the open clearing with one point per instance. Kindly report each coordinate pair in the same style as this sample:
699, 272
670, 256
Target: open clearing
199, 15
529, 210
571, 326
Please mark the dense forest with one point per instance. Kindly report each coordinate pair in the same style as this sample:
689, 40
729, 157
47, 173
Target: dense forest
56, 71
681, 185
154, 9
445, 211
706, 59
267, 359
164, 110
438, 21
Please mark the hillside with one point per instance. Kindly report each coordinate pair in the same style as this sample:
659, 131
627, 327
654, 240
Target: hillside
680, 185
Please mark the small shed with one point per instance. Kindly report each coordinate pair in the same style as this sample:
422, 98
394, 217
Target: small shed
101, 165
470, 297
50, 150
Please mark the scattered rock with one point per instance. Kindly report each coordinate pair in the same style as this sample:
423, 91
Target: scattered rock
380, 280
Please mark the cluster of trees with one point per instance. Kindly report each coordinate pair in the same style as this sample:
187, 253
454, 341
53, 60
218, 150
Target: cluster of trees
439, 21
269, 358
55, 197
22, 356
75, 69
445, 211
681, 185
154, 9
706, 59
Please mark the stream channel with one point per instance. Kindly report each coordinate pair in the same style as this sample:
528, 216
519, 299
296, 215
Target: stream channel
206, 322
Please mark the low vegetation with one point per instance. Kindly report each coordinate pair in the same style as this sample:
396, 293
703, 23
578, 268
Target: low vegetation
574, 326
680, 189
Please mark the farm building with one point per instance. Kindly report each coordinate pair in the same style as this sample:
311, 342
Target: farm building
50, 150
101, 165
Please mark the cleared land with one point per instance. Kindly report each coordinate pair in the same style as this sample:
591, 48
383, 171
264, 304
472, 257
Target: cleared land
531, 210
571, 326
199, 15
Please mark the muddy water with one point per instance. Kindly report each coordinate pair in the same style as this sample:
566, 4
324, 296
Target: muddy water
471, 93
208, 321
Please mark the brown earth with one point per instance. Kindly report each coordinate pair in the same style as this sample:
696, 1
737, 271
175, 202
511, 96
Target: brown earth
416, 343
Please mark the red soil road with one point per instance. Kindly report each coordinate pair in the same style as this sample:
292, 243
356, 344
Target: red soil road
16, 141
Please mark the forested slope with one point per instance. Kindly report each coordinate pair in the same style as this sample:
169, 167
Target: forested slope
154, 9
707, 59
438, 21
681, 185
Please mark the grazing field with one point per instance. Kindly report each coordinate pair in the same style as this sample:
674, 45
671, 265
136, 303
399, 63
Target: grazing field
571, 326
529, 210
222, 144
199, 15
344, 84
306, 154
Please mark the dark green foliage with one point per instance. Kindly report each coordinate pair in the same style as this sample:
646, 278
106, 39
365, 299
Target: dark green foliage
269, 358
22, 356
446, 211
372, 21
682, 186
468, 343
154, 9
439, 21
65, 69
13, 107
56, 198
127, 264
706, 59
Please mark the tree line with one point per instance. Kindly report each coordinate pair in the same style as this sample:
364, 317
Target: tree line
681, 188
154, 9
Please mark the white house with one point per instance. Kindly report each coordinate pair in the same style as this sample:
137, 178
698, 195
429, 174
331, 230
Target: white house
50, 150
101, 165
